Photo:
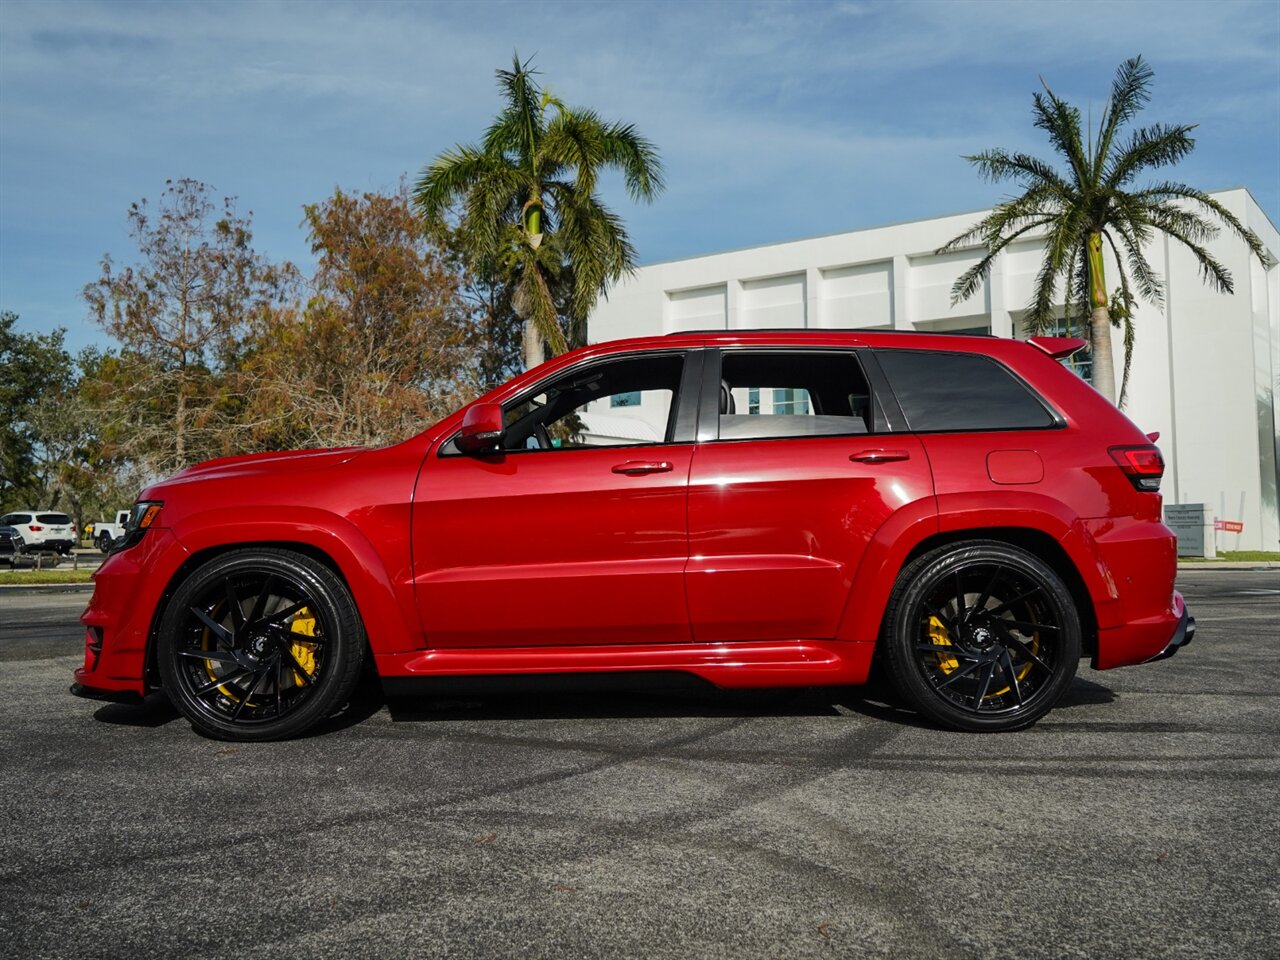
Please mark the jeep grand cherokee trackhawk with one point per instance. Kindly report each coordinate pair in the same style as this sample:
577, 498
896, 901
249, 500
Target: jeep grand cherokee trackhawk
764, 508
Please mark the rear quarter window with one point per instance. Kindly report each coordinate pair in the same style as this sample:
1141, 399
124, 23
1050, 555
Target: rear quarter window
960, 392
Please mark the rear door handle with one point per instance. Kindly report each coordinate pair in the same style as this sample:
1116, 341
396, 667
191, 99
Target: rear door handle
633, 468
879, 456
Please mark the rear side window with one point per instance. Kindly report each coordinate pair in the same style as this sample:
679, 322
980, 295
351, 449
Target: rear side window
16, 518
55, 518
767, 395
960, 391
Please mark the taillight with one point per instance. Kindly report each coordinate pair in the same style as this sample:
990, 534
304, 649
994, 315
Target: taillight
1143, 465
34, 528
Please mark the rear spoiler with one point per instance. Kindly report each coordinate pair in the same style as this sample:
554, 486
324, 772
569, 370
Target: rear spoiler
1058, 347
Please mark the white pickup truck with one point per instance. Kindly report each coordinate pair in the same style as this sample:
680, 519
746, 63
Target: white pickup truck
106, 533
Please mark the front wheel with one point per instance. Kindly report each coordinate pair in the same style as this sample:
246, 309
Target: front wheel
104, 542
981, 636
260, 644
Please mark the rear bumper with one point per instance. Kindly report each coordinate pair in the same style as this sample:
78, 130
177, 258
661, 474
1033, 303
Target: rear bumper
1148, 639
1185, 633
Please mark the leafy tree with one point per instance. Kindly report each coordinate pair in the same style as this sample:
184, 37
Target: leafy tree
1094, 205
38, 372
384, 345
528, 213
179, 315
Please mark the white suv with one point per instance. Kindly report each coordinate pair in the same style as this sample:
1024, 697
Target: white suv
43, 531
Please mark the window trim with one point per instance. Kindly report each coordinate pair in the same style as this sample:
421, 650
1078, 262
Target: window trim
709, 402
1056, 420
681, 419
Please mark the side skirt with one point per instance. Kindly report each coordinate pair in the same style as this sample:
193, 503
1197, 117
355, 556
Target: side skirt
798, 663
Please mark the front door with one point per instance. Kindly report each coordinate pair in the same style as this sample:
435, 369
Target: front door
574, 532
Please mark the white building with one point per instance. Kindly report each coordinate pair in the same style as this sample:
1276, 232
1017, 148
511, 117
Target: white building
1206, 367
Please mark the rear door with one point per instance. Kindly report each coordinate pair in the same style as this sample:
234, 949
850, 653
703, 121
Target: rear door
794, 475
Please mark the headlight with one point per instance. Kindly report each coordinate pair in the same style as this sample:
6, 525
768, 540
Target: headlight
145, 513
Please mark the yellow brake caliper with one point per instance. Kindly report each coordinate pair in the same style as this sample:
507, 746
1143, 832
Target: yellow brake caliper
304, 625
939, 637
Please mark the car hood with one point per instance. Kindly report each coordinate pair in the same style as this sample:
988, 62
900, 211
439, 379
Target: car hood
293, 461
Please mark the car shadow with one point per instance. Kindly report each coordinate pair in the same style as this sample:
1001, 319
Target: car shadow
155, 710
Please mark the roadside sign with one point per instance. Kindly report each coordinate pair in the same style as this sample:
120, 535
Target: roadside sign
1228, 526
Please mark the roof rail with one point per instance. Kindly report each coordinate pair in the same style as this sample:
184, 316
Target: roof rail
874, 330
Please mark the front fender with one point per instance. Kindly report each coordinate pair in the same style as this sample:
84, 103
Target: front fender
380, 581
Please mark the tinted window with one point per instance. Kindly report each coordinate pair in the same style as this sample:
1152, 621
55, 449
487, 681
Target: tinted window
15, 518
792, 394
960, 391
56, 518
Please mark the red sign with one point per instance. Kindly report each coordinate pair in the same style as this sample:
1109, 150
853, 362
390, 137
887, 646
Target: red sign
1228, 526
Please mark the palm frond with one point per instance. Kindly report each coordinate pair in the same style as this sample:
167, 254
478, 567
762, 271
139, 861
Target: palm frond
1129, 94
1148, 149
1061, 122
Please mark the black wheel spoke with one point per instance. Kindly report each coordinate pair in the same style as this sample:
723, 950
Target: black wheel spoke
233, 604
215, 656
260, 604
1023, 648
235, 714
302, 670
945, 620
279, 686
985, 596
1007, 605
1006, 664
962, 612
219, 631
1027, 627
212, 685
951, 651
984, 685
280, 616
967, 669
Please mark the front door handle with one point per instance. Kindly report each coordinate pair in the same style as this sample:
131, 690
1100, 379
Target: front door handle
879, 456
633, 468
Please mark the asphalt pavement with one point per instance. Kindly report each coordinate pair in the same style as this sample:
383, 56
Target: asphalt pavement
1137, 820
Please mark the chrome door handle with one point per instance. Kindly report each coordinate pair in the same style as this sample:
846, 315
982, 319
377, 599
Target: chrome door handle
633, 468
879, 456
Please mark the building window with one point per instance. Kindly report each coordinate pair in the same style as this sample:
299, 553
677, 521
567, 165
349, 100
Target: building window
791, 401
753, 400
631, 399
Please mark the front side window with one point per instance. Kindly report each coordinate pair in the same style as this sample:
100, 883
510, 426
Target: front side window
616, 403
796, 393
959, 392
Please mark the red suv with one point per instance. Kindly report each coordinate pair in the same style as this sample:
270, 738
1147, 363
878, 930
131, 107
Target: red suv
759, 508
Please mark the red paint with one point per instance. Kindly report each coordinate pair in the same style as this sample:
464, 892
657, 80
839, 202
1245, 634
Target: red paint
748, 563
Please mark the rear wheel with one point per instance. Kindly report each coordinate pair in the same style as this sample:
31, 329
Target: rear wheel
981, 636
104, 542
260, 644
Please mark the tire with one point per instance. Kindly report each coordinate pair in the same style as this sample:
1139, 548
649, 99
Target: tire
981, 636
260, 644
104, 542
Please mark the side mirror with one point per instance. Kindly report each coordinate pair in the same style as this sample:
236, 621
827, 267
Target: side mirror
482, 428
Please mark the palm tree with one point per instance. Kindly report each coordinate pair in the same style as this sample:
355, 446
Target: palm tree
1092, 206
527, 207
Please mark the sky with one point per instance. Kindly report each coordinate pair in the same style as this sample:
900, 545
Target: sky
775, 121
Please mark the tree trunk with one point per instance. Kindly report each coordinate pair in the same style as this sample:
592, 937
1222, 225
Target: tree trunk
1104, 372
533, 346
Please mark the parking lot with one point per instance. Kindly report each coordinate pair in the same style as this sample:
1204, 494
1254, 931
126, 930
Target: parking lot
1137, 820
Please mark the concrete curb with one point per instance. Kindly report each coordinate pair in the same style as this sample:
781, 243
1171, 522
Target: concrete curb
46, 587
1228, 565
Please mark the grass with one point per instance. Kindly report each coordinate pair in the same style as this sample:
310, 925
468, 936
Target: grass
22, 577
1246, 556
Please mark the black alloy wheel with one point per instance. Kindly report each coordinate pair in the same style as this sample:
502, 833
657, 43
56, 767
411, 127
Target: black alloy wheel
104, 542
982, 636
260, 644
